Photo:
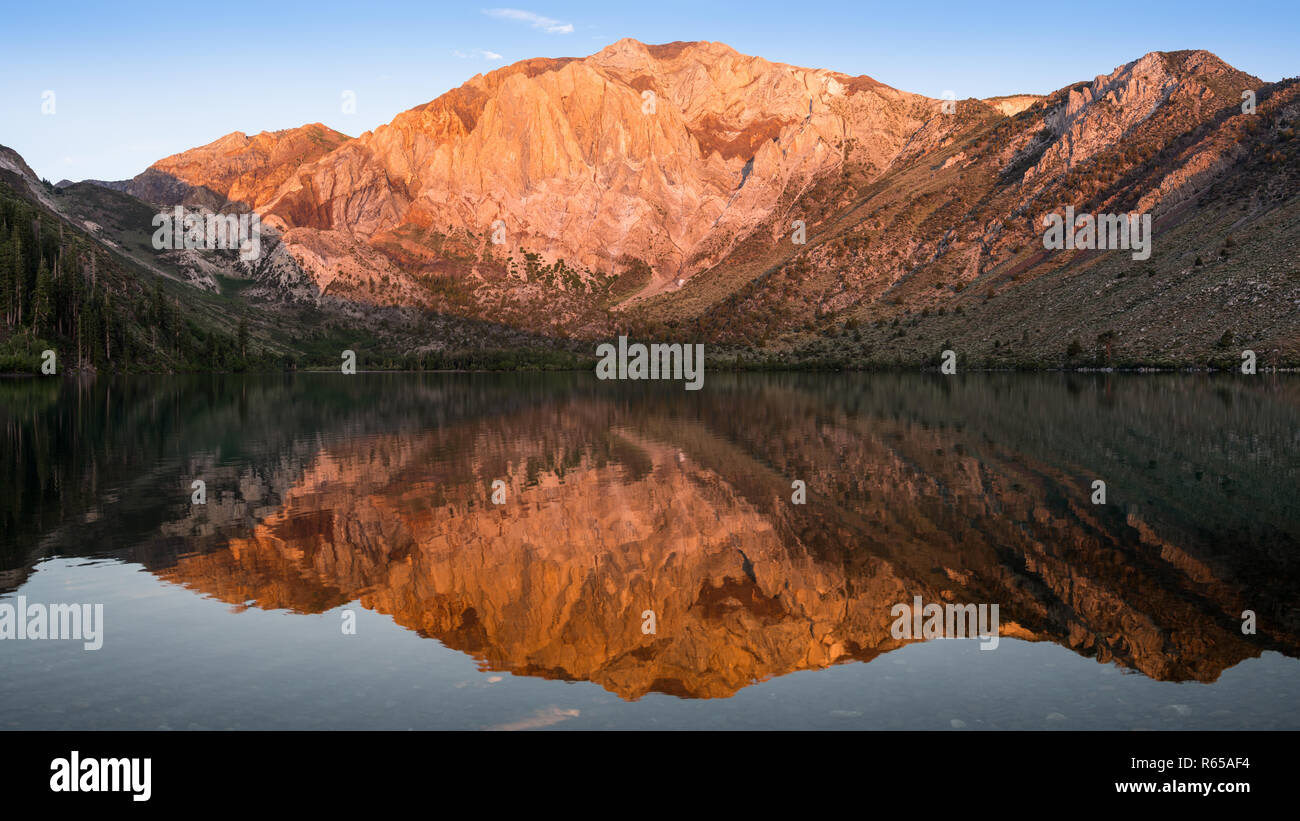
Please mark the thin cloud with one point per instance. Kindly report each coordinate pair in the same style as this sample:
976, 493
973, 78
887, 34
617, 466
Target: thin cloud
537, 21
473, 53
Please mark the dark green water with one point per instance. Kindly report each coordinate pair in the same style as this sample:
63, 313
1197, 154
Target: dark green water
350, 568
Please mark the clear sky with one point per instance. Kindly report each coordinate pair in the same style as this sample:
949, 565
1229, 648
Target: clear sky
134, 82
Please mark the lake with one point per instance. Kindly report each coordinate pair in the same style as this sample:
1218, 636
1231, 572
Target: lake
520, 551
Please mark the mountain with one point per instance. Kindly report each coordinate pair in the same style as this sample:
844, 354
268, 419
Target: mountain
66, 287
233, 169
80, 275
661, 190
664, 153
945, 249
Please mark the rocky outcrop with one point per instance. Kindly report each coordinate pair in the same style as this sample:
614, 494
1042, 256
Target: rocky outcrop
647, 187
234, 169
1097, 116
663, 153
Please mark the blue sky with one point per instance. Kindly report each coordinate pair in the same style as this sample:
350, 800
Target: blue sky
134, 82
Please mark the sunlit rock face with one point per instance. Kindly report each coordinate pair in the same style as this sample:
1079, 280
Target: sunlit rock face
611, 512
664, 153
775, 210
236, 168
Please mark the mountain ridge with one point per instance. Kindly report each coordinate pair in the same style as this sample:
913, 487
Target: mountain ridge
658, 190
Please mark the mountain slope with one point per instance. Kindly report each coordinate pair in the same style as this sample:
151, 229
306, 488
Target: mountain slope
661, 153
66, 288
660, 190
951, 241
235, 168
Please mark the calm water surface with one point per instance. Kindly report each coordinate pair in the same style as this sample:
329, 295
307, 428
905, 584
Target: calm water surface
367, 500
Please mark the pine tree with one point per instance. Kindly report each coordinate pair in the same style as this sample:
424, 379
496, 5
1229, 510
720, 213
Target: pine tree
158, 303
14, 315
158, 313
59, 295
6, 272
107, 314
42, 301
81, 320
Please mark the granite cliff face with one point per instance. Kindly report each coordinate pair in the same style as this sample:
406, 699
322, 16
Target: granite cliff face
236, 168
789, 213
662, 153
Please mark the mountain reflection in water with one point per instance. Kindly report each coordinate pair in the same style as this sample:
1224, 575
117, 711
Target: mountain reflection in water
625, 498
